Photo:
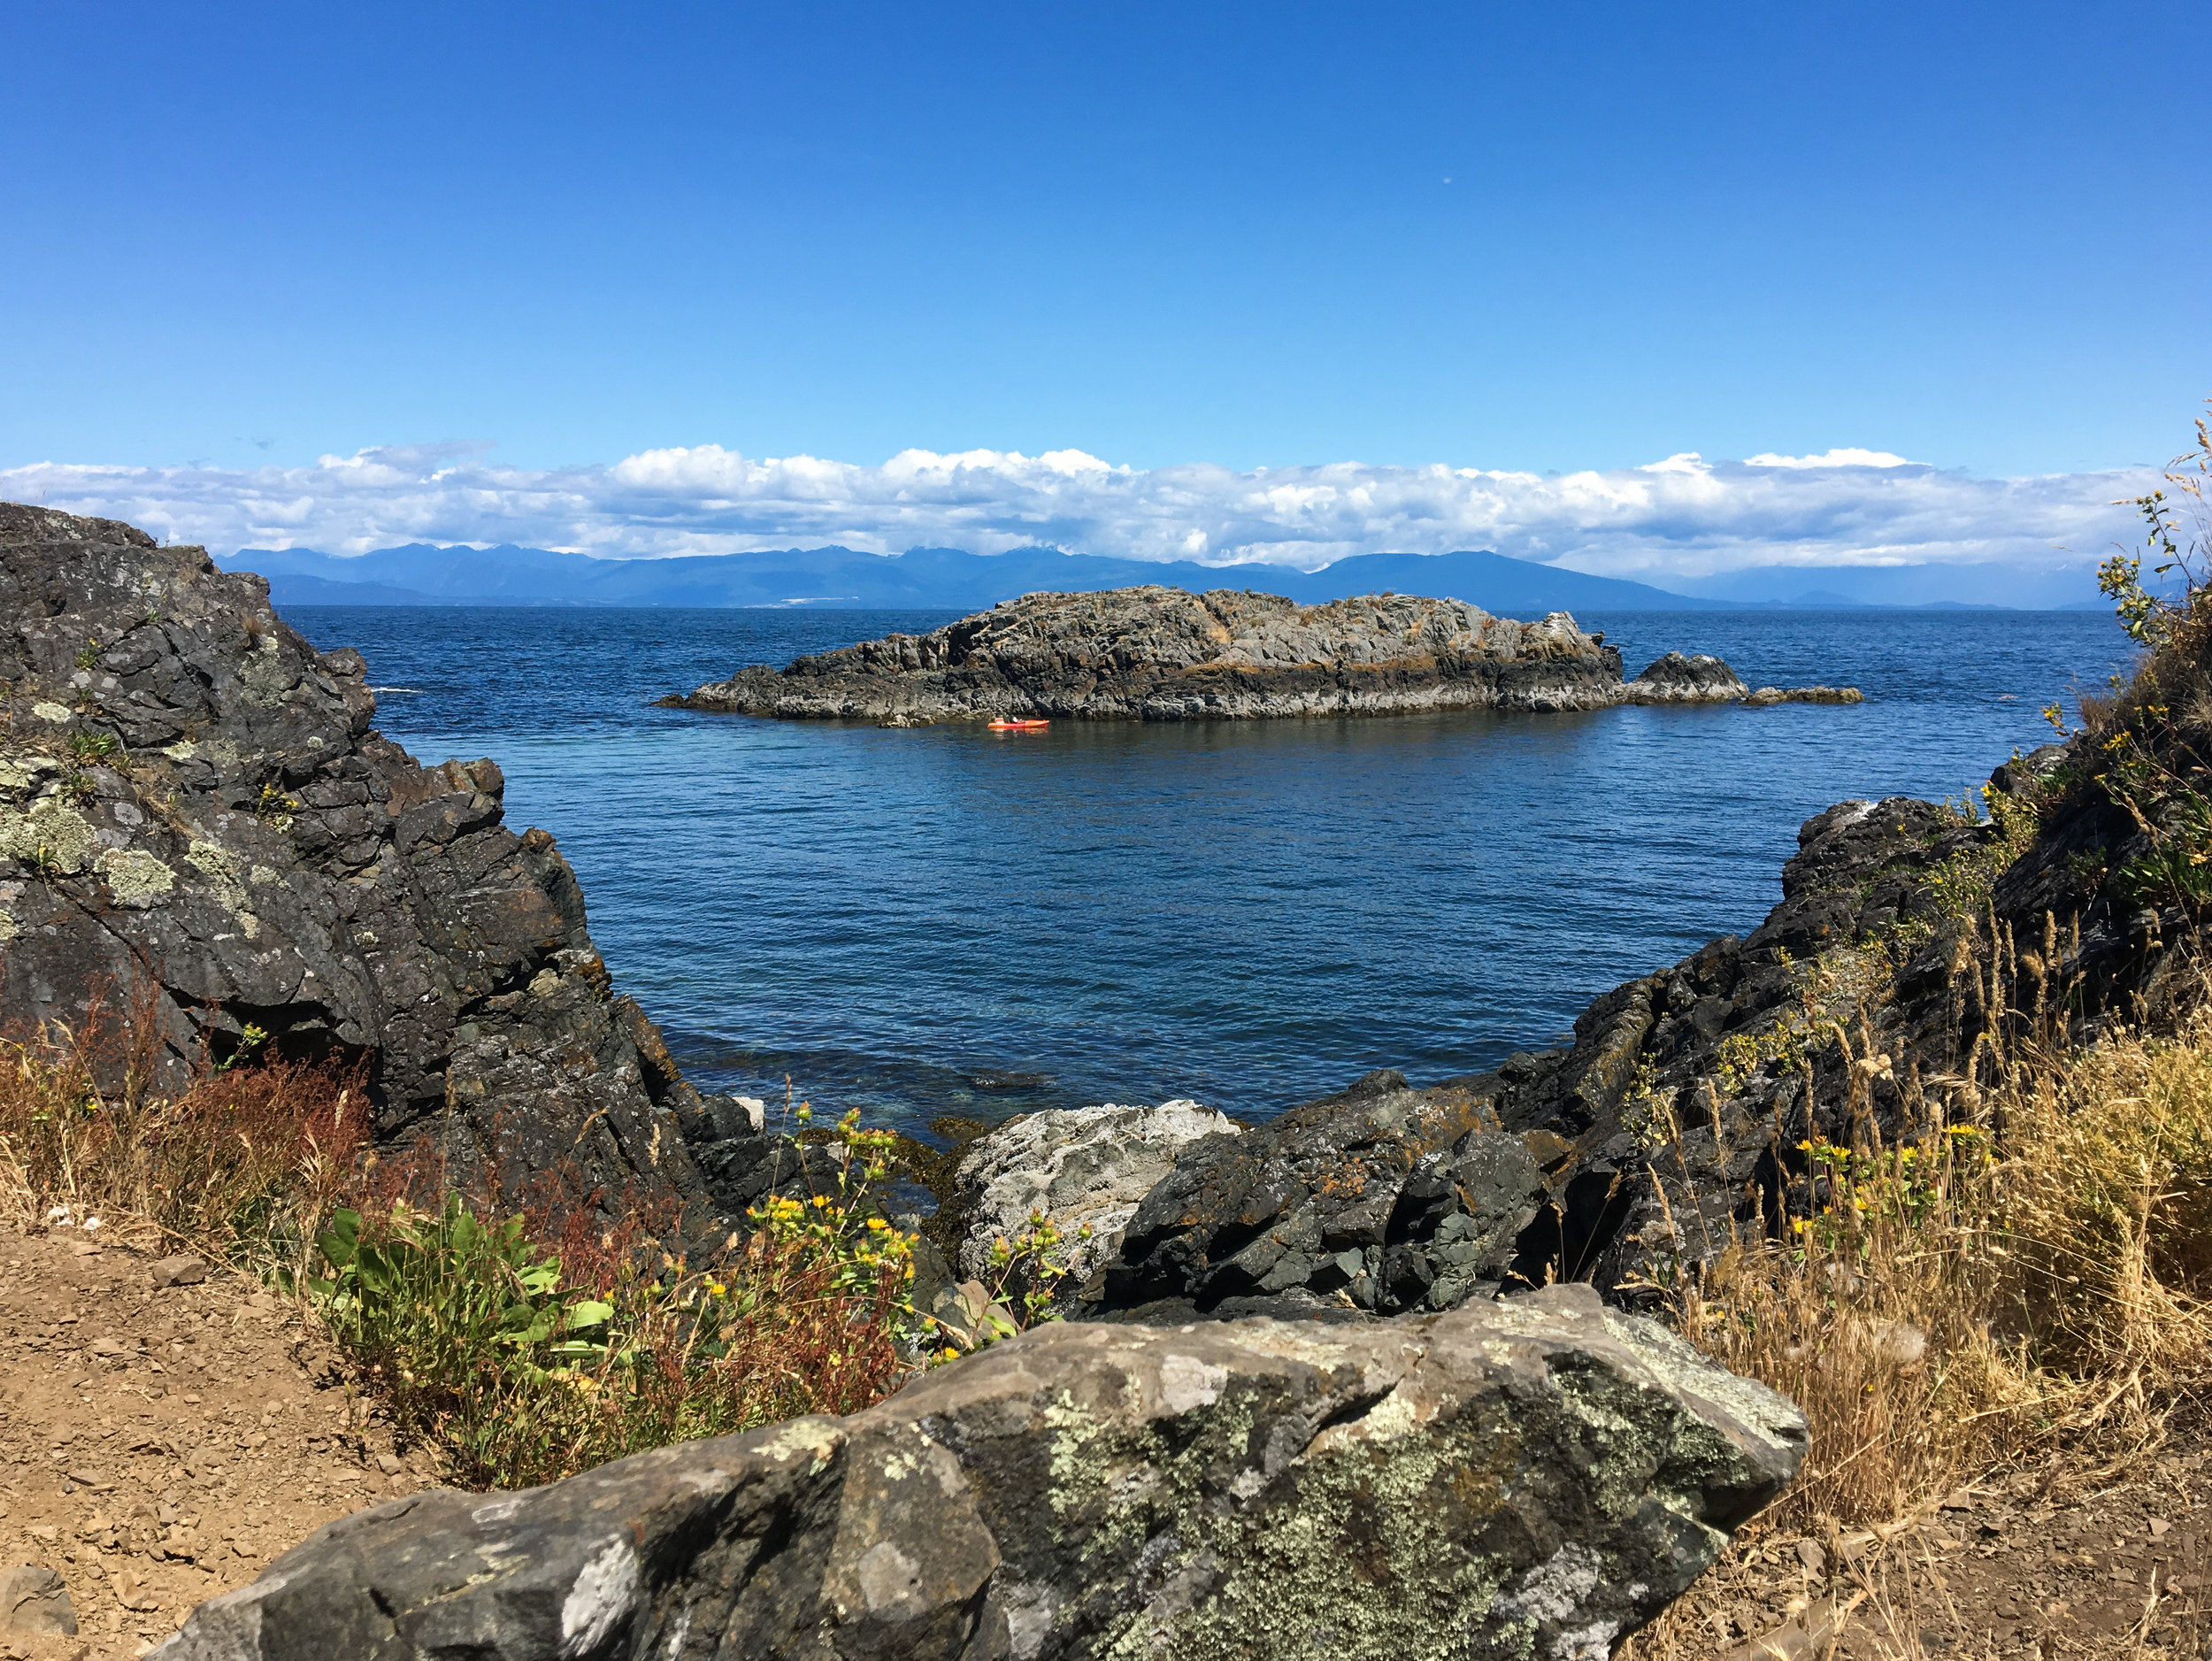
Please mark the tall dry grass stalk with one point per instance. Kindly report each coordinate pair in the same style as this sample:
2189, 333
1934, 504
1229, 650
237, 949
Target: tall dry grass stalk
2030, 1260
243, 1165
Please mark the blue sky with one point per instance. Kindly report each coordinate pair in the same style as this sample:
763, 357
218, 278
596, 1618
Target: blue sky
1533, 239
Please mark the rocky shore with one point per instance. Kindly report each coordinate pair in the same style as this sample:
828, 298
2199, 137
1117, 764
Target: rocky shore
1319, 1393
1674, 1120
1160, 654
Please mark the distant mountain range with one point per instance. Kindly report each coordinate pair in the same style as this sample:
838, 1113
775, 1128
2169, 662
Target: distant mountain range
421, 573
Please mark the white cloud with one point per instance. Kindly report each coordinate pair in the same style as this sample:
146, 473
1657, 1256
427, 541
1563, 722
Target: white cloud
1684, 517
1831, 458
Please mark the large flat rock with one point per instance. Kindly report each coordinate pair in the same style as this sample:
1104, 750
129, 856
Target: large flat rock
1526, 1478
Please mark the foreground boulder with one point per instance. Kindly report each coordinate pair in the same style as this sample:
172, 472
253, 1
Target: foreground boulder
195, 809
1536, 1477
1161, 654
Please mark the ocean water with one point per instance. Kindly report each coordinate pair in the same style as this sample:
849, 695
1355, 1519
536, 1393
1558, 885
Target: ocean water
946, 920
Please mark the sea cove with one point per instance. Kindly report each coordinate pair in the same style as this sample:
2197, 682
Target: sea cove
1252, 914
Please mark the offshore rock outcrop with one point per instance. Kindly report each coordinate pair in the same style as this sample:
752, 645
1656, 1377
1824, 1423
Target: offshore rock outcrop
1160, 654
1535, 1477
195, 809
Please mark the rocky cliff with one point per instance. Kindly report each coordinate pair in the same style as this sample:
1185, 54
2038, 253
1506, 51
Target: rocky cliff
1532, 1478
1162, 655
195, 807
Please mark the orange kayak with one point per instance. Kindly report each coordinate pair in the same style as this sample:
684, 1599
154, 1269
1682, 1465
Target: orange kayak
1019, 726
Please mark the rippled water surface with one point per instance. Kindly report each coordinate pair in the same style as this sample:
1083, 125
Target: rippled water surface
1252, 913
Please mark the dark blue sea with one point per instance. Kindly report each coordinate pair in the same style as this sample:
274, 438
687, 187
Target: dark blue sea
1252, 913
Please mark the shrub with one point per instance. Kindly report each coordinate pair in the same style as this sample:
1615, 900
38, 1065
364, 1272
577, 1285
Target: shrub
519, 1333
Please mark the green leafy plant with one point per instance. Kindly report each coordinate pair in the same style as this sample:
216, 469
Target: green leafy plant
88, 746
252, 1040
1020, 1289
88, 654
437, 1295
529, 1343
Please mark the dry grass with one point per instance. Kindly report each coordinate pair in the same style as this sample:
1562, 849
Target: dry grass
2034, 1260
2025, 1280
521, 1333
243, 1165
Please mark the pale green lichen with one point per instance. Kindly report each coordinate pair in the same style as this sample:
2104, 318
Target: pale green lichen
266, 678
46, 710
818, 1440
216, 864
219, 866
1367, 1559
48, 834
20, 771
134, 877
1395, 1533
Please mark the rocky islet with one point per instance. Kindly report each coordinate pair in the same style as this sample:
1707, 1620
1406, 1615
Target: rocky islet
1161, 654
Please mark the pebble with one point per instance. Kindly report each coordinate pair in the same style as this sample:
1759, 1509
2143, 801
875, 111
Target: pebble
35, 1603
182, 1270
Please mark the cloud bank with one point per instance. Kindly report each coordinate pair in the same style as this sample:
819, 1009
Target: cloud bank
1681, 519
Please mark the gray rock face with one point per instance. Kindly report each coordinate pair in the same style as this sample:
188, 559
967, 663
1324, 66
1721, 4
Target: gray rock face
1530, 1478
1383, 1198
35, 1603
1161, 654
1086, 1166
191, 795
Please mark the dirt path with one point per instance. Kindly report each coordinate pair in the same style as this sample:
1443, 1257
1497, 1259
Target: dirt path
158, 1445
2062, 1561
